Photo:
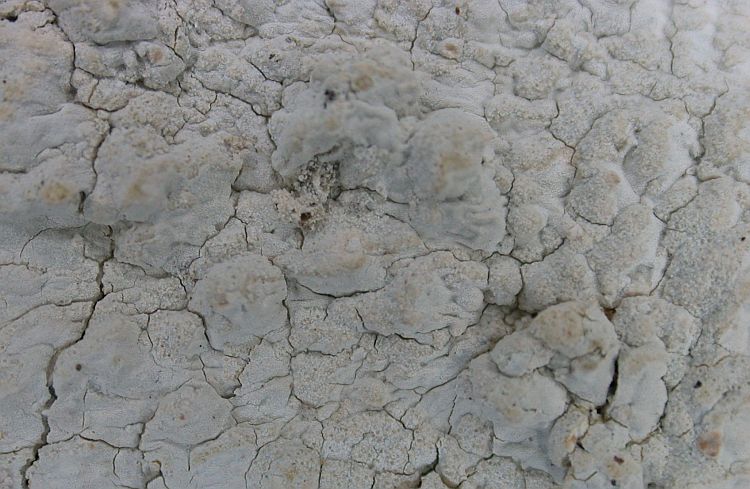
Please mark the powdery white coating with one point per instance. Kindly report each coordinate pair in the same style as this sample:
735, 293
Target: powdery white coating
241, 301
641, 394
425, 294
575, 341
520, 409
351, 254
374, 244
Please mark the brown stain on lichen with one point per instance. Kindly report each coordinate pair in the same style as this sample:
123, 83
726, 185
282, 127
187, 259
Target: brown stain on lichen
220, 299
236, 143
570, 442
452, 161
352, 261
709, 443
155, 55
135, 192
570, 331
55, 193
6, 112
588, 363
612, 178
617, 468
449, 163
451, 49
365, 68
13, 90
331, 124
362, 83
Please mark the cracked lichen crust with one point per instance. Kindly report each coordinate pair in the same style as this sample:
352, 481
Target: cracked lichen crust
374, 244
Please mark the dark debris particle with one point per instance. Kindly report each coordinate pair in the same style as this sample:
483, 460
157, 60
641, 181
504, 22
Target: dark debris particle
741, 239
613, 482
618, 459
458, 11
330, 95
79, 366
698, 385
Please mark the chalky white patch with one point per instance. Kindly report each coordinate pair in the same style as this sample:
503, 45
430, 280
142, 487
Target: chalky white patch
374, 244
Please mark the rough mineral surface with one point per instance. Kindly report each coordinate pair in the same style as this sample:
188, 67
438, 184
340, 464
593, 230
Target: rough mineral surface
374, 244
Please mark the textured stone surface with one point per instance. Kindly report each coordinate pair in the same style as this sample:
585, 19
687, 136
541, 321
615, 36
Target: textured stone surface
375, 244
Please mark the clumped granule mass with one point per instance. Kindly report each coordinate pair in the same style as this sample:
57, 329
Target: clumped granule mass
374, 244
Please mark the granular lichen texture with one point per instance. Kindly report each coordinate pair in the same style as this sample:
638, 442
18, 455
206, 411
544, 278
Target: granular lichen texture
374, 244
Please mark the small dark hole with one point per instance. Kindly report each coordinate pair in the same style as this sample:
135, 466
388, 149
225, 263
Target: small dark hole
271, 56
304, 217
610, 313
330, 95
4, 82
613, 482
79, 366
81, 200
741, 239
697, 385
458, 11
618, 459
12, 18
